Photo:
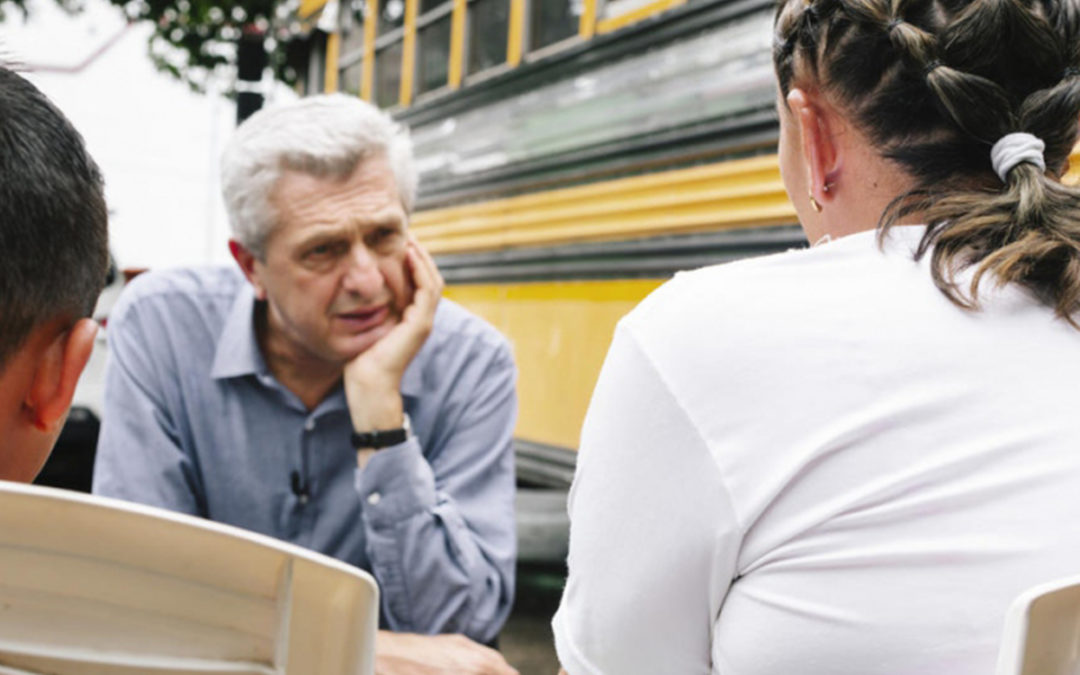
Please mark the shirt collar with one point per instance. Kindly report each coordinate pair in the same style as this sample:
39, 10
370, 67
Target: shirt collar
238, 351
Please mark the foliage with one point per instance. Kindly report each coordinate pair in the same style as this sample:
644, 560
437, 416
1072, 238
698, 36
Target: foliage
196, 40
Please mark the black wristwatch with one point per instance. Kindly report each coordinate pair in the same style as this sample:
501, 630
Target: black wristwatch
377, 440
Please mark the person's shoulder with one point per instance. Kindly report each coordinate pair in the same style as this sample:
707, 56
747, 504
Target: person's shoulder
779, 286
209, 281
724, 288
170, 290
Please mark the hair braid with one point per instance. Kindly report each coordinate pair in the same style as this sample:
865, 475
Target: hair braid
936, 83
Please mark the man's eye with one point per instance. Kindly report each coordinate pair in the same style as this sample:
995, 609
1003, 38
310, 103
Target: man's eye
382, 235
324, 250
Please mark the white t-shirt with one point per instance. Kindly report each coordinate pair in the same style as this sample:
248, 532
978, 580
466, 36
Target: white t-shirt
813, 462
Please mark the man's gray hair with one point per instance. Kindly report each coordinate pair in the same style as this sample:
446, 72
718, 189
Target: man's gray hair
323, 136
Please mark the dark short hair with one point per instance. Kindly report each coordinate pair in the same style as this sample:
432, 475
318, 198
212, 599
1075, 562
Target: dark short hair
53, 221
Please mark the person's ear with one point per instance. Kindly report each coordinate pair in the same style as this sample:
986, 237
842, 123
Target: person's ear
821, 152
57, 372
246, 260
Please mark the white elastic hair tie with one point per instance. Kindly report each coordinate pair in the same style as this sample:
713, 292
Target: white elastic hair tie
1017, 148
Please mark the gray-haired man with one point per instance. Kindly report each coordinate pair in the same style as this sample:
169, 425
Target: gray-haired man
330, 398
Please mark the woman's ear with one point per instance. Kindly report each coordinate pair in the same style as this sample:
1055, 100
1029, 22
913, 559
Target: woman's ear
56, 374
821, 151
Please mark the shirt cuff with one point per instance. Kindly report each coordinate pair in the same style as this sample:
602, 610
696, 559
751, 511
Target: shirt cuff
396, 484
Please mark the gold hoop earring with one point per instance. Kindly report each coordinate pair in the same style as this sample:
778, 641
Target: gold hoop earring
814, 203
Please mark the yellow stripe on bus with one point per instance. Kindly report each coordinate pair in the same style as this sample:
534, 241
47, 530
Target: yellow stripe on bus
737, 193
367, 72
333, 54
587, 23
457, 45
408, 52
516, 35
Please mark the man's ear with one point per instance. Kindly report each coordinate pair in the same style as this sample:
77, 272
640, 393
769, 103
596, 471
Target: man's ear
58, 370
821, 151
246, 260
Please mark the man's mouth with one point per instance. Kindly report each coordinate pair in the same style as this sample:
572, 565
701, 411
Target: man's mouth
360, 320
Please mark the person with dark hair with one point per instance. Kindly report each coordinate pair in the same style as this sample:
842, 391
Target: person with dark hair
53, 262
855, 466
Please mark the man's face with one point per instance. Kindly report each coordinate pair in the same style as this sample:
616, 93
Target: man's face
334, 276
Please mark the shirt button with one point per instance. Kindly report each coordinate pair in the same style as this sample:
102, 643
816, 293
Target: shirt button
374, 498
309, 425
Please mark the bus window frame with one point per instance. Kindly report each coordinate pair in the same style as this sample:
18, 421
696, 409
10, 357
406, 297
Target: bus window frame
315, 78
381, 43
348, 59
491, 71
591, 23
445, 9
586, 30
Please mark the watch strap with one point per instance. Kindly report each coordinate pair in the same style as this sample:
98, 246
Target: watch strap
379, 439
384, 438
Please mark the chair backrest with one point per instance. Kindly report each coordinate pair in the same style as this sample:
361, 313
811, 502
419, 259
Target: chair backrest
1042, 631
103, 587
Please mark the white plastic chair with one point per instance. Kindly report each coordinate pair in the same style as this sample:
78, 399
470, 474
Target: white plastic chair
91, 586
1042, 631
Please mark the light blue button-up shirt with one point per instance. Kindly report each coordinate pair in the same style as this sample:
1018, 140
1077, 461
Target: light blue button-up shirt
194, 421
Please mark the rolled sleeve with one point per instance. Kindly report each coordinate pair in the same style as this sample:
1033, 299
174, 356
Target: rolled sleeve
396, 484
439, 520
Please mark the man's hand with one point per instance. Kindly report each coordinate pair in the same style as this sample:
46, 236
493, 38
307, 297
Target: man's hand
373, 378
412, 654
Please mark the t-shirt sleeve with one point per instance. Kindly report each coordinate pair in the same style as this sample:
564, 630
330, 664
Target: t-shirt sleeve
653, 536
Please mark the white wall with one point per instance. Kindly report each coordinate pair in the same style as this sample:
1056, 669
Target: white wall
156, 141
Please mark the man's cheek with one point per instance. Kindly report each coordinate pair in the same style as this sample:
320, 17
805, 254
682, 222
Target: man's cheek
400, 281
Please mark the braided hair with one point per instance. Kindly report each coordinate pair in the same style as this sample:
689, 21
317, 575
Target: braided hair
934, 84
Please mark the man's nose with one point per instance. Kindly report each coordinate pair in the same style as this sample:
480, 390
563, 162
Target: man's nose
362, 275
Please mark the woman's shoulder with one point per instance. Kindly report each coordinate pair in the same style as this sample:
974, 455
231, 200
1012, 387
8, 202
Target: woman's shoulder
759, 286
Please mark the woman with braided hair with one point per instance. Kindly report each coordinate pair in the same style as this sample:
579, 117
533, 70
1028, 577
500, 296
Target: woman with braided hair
849, 459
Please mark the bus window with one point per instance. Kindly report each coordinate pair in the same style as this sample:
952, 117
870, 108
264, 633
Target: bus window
551, 21
388, 75
433, 33
391, 16
350, 78
352, 28
350, 62
316, 75
489, 28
